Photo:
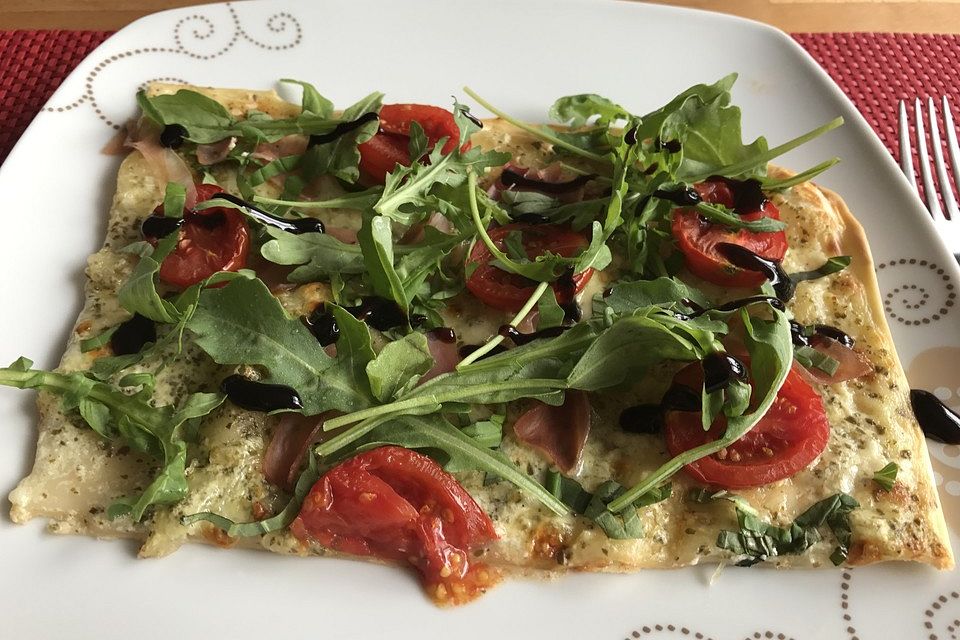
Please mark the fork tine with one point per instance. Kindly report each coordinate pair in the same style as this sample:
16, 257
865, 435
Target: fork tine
906, 153
952, 147
946, 191
932, 203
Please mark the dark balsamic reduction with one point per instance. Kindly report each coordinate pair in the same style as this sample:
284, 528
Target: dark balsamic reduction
720, 369
532, 218
937, 421
783, 284
379, 313
323, 325
296, 227
733, 305
259, 396
472, 118
172, 136
683, 197
444, 334
341, 129
802, 335
648, 418
671, 146
159, 226
511, 332
511, 178
748, 197
133, 335
630, 137
566, 292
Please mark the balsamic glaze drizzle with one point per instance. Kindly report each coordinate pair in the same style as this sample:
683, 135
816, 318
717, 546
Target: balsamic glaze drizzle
783, 284
472, 118
683, 197
323, 325
566, 292
671, 146
630, 137
937, 421
531, 218
444, 334
511, 332
511, 178
341, 129
259, 396
159, 226
802, 335
648, 418
720, 369
131, 336
172, 136
296, 227
379, 313
748, 197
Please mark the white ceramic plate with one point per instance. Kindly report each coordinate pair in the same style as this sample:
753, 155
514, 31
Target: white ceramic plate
54, 192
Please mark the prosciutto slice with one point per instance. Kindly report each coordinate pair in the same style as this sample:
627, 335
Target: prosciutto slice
446, 357
560, 433
853, 364
292, 438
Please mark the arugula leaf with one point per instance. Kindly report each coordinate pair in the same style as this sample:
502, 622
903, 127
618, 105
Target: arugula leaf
653, 122
341, 158
204, 118
312, 101
376, 242
318, 254
280, 521
139, 293
436, 433
398, 366
242, 323
831, 266
629, 296
721, 215
157, 431
568, 491
771, 352
577, 110
627, 350
886, 476
549, 312
770, 184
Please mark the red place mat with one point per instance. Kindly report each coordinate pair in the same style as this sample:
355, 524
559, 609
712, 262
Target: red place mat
875, 69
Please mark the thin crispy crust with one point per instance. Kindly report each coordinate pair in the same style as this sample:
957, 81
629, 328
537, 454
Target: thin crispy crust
76, 475
854, 243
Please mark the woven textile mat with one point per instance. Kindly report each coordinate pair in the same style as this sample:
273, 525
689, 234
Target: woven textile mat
875, 70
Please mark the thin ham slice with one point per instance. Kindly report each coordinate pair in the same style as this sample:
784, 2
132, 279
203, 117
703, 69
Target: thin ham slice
208, 154
292, 145
853, 364
164, 163
445, 354
292, 438
552, 174
560, 433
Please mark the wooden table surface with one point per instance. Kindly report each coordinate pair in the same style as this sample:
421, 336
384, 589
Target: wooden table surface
933, 16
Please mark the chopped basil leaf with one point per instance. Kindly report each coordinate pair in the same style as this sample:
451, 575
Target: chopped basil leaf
886, 476
719, 214
811, 358
757, 540
832, 265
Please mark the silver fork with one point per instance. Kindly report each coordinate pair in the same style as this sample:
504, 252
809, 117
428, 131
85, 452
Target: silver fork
948, 227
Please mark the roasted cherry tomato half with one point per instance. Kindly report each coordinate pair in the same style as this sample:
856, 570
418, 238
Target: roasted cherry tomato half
787, 439
211, 240
697, 239
390, 146
396, 504
508, 291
